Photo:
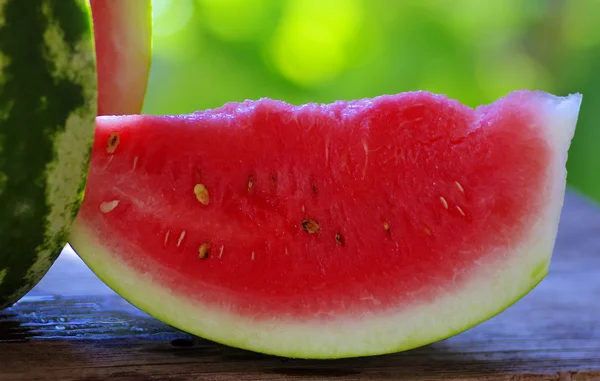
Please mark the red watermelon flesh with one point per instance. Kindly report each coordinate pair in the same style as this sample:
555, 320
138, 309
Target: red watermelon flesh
347, 229
123, 38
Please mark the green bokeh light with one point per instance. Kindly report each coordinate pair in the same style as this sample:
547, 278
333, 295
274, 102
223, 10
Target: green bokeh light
311, 44
235, 20
209, 52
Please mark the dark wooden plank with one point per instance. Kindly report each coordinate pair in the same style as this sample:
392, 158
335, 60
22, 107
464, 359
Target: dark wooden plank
72, 327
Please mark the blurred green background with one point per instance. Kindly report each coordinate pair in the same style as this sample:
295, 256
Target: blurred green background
209, 52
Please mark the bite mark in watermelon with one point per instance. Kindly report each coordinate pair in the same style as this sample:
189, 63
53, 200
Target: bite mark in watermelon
322, 231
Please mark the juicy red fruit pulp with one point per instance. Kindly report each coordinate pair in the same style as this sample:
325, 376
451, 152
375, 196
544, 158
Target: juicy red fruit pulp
270, 209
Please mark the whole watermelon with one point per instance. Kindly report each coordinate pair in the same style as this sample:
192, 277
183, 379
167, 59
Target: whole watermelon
48, 105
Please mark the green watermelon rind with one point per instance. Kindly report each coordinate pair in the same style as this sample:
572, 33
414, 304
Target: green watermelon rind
48, 109
499, 282
155, 301
28, 250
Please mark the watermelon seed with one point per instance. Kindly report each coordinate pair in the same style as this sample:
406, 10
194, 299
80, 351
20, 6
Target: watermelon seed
221, 251
135, 160
201, 194
460, 210
180, 238
108, 206
251, 181
273, 179
167, 237
310, 225
112, 142
339, 239
366, 148
372, 299
386, 227
203, 250
252, 257
427, 231
315, 189
460, 188
444, 202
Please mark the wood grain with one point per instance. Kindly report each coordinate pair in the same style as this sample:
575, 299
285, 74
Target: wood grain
72, 327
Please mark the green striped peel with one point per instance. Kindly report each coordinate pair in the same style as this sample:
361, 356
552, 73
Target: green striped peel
47, 111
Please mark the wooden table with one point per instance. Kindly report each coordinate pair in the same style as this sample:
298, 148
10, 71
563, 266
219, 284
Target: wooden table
72, 327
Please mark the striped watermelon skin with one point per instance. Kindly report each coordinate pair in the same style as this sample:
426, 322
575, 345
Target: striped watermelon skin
48, 104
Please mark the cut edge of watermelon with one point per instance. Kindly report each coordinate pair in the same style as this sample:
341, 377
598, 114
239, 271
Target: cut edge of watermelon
496, 285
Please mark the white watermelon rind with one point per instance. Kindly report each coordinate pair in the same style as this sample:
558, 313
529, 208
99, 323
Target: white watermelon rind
494, 286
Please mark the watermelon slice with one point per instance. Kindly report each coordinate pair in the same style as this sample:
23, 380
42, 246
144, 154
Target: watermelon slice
53, 83
325, 231
123, 38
